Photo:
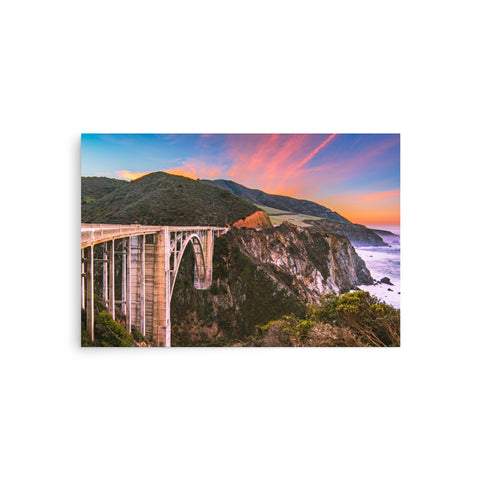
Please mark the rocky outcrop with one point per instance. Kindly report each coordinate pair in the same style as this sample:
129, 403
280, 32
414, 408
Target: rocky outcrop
307, 263
358, 234
257, 220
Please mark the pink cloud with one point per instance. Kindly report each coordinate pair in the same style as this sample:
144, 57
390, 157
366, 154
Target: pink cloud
305, 160
261, 160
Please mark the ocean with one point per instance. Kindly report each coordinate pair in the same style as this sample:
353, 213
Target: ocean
384, 262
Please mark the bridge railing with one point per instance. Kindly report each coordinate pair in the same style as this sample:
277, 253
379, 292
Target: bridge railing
92, 233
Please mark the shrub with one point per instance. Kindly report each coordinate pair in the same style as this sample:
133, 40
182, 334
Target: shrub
137, 335
109, 333
354, 319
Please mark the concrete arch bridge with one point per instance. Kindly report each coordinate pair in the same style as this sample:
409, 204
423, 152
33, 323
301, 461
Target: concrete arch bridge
134, 267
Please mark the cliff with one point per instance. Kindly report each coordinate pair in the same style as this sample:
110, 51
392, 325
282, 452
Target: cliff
257, 220
358, 234
259, 276
309, 264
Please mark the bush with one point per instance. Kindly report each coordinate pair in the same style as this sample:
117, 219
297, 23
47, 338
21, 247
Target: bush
137, 335
354, 319
109, 333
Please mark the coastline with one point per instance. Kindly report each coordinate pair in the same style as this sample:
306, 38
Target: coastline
384, 262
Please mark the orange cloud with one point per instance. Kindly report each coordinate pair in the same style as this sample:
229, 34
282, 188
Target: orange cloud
198, 168
185, 171
127, 174
378, 195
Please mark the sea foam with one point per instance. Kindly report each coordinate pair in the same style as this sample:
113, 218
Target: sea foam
384, 262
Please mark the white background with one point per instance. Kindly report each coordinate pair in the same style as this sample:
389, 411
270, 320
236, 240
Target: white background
250, 66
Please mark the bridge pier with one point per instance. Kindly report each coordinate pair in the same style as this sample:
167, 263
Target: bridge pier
111, 278
161, 290
129, 285
105, 283
82, 295
89, 284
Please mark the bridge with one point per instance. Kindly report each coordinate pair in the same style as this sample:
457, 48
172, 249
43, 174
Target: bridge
134, 268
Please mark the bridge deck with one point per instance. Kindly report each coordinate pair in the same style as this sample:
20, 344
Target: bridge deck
93, 233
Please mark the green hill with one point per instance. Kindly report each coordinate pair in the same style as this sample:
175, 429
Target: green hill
163, 199
94, 188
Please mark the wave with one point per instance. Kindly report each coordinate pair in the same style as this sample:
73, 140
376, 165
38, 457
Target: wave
384, 262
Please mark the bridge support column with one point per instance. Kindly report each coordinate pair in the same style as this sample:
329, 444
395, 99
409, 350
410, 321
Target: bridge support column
161, 290
83, 280
111, 278
209, 241
142, 291
105, 283
124, 276
90, 306
129, 285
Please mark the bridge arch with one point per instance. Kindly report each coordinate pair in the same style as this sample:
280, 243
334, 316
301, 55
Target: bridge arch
200, 275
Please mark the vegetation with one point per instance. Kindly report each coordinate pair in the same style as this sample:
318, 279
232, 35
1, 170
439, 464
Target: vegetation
109, 332
357, 234
295, 219
354, 319
272, 211
302, 213
277, 202
94, 188
162, 199
241, 298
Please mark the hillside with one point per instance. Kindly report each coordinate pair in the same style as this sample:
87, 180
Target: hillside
163, 199
94, 188
359, 235
278, 202
302, 213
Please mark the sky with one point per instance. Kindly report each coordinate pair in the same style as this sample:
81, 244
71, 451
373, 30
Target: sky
356, 175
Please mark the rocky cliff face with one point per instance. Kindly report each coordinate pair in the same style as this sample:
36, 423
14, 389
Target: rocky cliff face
258, 220
309, 264
258, 276
359, 235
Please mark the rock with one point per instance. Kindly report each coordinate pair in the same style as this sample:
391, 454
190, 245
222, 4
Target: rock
257, 220
386, 280
304, 262
359, 235
389, 289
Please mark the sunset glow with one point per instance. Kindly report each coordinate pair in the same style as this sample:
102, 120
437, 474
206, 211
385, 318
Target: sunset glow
127, 175
356, 175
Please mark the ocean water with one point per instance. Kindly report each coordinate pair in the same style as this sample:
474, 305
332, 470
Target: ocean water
384, 262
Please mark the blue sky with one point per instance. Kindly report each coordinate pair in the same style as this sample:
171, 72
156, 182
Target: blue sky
357, 175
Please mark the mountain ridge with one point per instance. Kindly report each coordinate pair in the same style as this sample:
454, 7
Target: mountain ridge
280, 202
326, 220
